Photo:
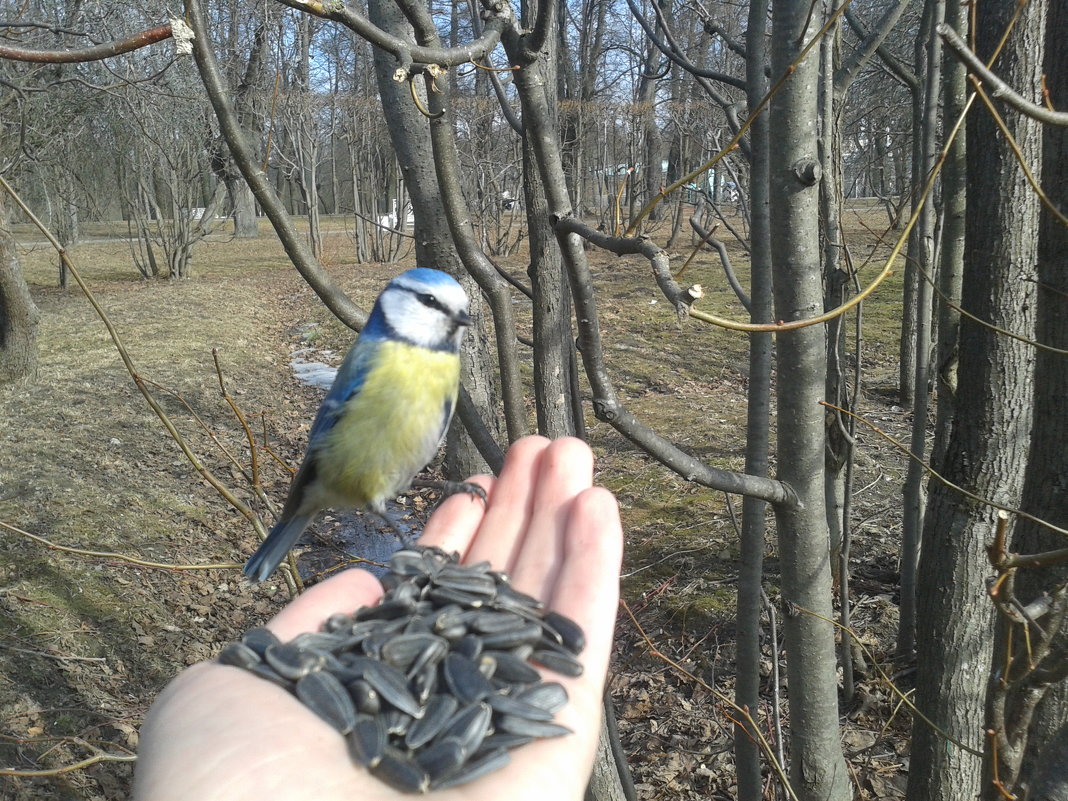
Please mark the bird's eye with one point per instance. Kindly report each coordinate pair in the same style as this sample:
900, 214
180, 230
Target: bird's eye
428, 300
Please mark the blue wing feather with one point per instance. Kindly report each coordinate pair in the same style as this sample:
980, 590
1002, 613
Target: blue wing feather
350, 377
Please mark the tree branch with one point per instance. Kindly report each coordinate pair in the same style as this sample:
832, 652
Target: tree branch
732, 279
893, 64
869, 44
95, 53
658, 258
670, 50
405, 52
999, 90
713, 28
606, 404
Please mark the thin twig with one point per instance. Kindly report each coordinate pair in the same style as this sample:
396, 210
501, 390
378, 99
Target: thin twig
926, 466
114, 555
100, 756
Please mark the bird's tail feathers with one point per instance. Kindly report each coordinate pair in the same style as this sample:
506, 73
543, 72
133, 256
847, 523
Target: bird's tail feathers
273, 550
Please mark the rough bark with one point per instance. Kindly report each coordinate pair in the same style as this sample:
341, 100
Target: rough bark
18, 313
987, 451
556, 408
1045, 492
817, 769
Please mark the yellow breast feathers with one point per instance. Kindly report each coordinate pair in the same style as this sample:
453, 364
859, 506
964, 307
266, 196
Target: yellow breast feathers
392, 427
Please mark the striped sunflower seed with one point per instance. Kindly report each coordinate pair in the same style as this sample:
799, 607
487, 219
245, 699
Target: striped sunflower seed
434, 685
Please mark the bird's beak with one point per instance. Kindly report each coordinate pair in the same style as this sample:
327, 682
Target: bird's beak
462, 318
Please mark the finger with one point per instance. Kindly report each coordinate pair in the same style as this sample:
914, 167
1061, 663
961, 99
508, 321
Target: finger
509, 511
587, 586
587, 591
452, 526
345, 592
565, 470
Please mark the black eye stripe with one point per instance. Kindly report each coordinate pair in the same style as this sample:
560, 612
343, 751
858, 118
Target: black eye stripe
430, 301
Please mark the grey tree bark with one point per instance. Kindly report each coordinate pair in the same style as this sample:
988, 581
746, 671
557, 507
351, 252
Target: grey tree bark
817, 769
951, 256
558, 411
921, 260
19, 315
914, 343
1045, 491
987, 451
758, 413
433, 242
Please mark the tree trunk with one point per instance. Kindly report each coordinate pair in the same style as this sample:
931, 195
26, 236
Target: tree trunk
758, 410
1045, 493
921, 257
951, 258
906, 389
558, 411
817, 769
243, 203
987, 451
433, 242
18, 314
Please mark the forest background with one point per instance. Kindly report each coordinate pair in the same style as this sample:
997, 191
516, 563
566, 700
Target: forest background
796, 270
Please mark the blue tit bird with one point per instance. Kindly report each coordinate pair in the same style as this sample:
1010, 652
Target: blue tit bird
385, 414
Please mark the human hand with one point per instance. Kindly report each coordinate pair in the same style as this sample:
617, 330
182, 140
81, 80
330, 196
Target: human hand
217, 732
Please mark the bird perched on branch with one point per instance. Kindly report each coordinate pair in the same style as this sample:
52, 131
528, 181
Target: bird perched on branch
386, 412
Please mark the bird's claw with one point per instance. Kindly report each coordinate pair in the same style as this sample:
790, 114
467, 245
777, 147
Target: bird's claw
452, 487
456, 487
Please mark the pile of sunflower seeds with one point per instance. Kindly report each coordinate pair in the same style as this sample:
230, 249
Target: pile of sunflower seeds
433, 685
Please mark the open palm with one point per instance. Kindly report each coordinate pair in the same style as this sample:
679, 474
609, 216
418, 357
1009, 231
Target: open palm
217, 732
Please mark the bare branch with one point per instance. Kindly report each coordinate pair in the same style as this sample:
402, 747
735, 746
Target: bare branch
498, 88
670, 50
999, 90
405, 52
869, 44
893, 64
658, 258
713, 28
606, 403
732, 279
95, 53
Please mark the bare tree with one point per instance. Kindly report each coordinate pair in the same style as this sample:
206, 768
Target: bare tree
987, 449
817, 767
1045, 494
18, 313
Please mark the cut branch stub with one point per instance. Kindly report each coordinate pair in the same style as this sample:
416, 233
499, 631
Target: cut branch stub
808, 171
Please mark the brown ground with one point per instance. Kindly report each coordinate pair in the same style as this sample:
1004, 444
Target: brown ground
86, 641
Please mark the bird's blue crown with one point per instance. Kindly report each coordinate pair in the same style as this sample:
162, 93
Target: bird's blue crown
424, 275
